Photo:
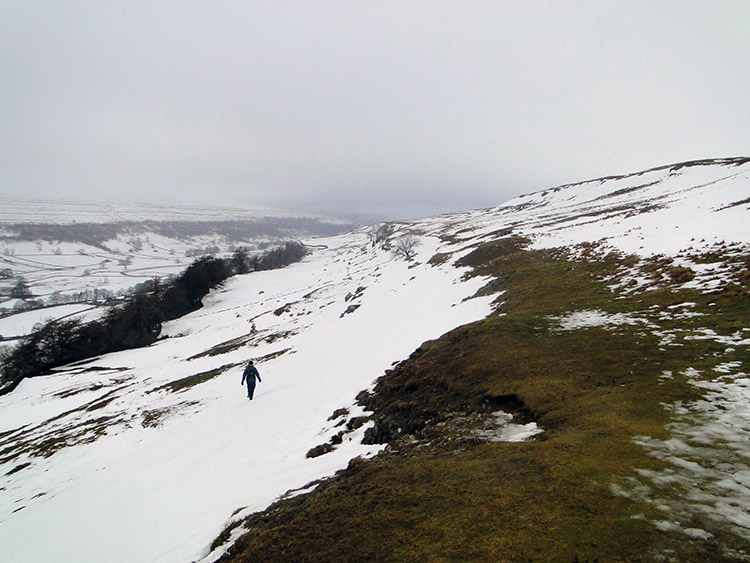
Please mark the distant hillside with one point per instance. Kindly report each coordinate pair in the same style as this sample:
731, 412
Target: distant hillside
76, 254
96, 224
98, 234
18, 211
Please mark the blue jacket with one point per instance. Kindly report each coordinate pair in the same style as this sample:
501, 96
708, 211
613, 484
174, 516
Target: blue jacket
250, 374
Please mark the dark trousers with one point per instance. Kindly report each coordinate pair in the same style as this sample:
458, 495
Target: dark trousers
250, 387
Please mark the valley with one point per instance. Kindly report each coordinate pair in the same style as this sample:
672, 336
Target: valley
73, 258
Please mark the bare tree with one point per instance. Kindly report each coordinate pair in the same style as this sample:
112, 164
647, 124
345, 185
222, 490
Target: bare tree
380, 234
21, 290
406, 246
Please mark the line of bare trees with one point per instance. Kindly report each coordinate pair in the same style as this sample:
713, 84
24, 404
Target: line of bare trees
135, 323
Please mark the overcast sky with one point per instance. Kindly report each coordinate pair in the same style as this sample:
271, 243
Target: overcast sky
395, 109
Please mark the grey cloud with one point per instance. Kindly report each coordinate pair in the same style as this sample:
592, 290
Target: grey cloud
392, 107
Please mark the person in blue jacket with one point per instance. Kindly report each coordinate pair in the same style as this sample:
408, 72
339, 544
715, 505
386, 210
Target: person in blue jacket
249, 375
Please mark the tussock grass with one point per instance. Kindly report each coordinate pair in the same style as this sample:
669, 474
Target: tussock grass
184, 383
225, 347
154, 417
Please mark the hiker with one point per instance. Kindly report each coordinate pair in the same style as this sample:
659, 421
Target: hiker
249, 375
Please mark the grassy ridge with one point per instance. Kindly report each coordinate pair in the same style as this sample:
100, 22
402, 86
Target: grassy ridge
437, 494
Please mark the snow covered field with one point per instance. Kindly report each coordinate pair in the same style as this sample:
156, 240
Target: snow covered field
23, 323
144, 455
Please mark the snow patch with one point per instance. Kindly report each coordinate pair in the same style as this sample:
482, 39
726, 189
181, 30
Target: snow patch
709, 457
592, 318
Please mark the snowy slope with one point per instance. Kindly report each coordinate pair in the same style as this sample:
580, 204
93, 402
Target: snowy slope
659, 211
172, 466
124, 459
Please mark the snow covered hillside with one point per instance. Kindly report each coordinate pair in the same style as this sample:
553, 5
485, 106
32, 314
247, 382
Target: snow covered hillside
667, 210
146, 455
143, 455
